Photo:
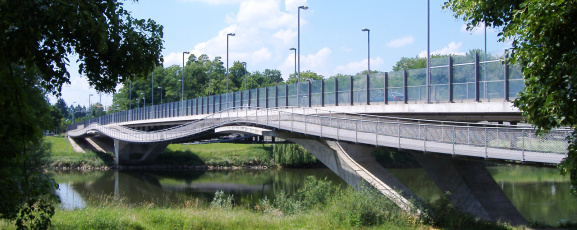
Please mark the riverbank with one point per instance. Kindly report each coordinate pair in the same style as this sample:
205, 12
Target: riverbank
181, 156
319, 204
209, 156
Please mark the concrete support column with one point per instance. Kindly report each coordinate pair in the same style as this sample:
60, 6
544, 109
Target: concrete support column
473, 190
148, 151
355, 165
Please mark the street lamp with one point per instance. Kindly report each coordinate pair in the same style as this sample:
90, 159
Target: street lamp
299, 50
143, 105
152, 87
73, 110
89, 101
227, 35
244, 64
130, 96
428, 51
294, 49
182, 79
368, 50
160, 94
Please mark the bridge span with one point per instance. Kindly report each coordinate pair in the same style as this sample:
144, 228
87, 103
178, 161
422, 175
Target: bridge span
342, 120
344, 141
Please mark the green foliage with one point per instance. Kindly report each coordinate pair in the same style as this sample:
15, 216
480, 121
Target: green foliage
316, 192
366, 207
36, 214
304, 76
219, 201
292, 155
111, 47
542, 33
444, 215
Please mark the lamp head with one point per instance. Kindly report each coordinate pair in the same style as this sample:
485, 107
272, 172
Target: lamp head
293, 49
186, 52
230, 34
303, 7
365, 29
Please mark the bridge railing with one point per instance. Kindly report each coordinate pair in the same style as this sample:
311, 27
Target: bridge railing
456, 138
452, 79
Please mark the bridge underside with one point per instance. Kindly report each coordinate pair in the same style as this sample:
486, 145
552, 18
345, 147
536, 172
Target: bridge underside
473, 190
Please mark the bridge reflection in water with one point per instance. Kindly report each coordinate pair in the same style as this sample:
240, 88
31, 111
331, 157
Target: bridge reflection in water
539, 193
334, 125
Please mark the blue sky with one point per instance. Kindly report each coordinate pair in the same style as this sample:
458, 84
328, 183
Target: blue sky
330, 35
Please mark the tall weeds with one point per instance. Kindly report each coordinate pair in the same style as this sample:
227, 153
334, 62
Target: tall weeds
292, 155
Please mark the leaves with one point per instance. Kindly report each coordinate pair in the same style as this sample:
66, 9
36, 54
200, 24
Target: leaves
543, 39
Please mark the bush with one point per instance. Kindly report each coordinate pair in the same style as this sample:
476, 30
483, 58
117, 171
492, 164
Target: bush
292, 155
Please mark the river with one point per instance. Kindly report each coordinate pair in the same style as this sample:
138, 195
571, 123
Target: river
540, 194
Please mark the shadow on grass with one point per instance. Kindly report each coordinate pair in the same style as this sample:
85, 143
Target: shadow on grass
179, 158
107, 158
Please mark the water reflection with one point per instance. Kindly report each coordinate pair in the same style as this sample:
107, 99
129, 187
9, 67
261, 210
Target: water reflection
247, 186
540, 194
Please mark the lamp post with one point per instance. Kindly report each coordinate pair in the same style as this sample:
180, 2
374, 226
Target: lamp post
160, 94
73, 110
143, 105
428, 52
152, 88
368, 50
227, 35
182, 78
299, 51
130, 96
89, 101
294, 49
244, 64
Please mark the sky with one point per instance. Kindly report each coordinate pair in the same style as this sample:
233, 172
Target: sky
331, 39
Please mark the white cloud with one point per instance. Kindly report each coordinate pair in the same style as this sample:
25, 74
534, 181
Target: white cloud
358, 66
292, 5
263, 13
401, 41
216, 2
452, 48
261, 55
286, 36
317, 62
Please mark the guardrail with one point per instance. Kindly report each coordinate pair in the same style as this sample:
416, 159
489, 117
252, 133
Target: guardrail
453, 79
455, 138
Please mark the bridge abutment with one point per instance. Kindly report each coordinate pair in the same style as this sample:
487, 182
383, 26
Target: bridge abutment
127, 153
472, 188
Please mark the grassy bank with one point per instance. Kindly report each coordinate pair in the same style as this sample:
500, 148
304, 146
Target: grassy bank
318, 205
216, 154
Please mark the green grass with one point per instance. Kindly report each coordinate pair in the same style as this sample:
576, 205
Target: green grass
216, 154
318, 205
63, 156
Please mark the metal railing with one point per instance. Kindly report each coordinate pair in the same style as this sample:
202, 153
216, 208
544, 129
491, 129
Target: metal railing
453, 79
465, 139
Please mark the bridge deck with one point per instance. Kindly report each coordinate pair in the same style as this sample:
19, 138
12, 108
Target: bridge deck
458, 139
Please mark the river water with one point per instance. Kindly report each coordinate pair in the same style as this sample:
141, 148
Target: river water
540, 194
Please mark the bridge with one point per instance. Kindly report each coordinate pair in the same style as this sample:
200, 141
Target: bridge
449, 126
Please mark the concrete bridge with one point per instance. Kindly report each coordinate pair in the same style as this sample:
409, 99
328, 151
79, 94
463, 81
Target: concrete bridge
342, 120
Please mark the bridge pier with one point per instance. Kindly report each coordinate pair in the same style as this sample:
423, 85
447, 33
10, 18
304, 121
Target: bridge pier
127, 153
473, 190
355, 165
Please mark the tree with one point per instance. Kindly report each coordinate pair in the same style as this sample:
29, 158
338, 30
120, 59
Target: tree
305, 76
61, 105
37, 38
543, 34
